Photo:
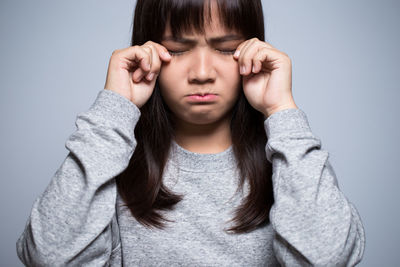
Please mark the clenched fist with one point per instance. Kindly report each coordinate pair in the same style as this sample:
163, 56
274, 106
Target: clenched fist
132, 71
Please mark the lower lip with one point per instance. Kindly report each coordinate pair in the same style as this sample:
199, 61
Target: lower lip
204, 98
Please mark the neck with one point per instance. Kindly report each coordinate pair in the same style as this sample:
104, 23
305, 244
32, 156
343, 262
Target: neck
204, 138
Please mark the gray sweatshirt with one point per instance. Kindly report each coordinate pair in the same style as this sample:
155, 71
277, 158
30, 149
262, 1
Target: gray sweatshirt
79, 220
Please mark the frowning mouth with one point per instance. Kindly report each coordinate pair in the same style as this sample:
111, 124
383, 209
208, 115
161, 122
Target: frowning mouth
202, 97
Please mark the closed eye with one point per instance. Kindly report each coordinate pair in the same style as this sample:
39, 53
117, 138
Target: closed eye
221, 51
226, 52
176, 53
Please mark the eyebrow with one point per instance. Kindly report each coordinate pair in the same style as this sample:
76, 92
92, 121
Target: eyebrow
214, 40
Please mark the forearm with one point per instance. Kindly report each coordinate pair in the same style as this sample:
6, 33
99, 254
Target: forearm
78, 205
313, 220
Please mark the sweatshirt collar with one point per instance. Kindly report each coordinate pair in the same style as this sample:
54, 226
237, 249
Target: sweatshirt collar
198, 162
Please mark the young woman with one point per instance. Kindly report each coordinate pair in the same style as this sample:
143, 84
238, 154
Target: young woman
195, 153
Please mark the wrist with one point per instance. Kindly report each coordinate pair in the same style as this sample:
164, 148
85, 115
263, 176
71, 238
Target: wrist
268, 112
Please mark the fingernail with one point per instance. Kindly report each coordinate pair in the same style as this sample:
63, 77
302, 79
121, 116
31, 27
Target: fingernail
237, 53
242, 69
150, 76
254, 68
148, 66
166, 54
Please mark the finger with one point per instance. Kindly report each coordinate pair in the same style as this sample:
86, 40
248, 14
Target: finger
259, 58
147, 68
239, 52
137, 54
162, 51
265, 58
156, 64
137, 75
246, 56
239, 49
148, 49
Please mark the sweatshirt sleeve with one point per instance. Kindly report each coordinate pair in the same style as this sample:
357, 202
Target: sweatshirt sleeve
315, 224
73, 222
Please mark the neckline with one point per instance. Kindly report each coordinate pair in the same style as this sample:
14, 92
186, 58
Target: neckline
199, 162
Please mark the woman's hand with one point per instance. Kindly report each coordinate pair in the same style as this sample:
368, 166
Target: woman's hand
132, 72
267, 77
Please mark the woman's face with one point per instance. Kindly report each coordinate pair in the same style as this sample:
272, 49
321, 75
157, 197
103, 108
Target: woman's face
201, 83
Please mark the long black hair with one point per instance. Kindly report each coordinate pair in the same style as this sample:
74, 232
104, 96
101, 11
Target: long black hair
141, 185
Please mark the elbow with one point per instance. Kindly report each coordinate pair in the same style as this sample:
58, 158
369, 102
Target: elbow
339, 245
353, 250
348, 251
31, 253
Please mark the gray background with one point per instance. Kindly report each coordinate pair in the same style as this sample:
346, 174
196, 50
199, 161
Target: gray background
53, 62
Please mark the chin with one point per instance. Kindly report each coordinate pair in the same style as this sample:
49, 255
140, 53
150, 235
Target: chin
202, 118
201, 121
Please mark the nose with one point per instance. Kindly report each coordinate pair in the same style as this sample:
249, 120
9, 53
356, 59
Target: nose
202, 67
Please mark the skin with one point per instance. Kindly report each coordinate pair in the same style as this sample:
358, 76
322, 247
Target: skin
203, 66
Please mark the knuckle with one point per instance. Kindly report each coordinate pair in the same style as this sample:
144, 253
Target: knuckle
148, 44
115, 52
286, 57
262, 53
147, 49
247, 61
133, 49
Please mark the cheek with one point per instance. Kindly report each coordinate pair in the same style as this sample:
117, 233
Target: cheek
231, 75
230, 67
167, 78
165, 75
233, 81
168, 81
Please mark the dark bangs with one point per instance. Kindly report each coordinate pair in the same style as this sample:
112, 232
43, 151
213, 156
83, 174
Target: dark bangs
152, 16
